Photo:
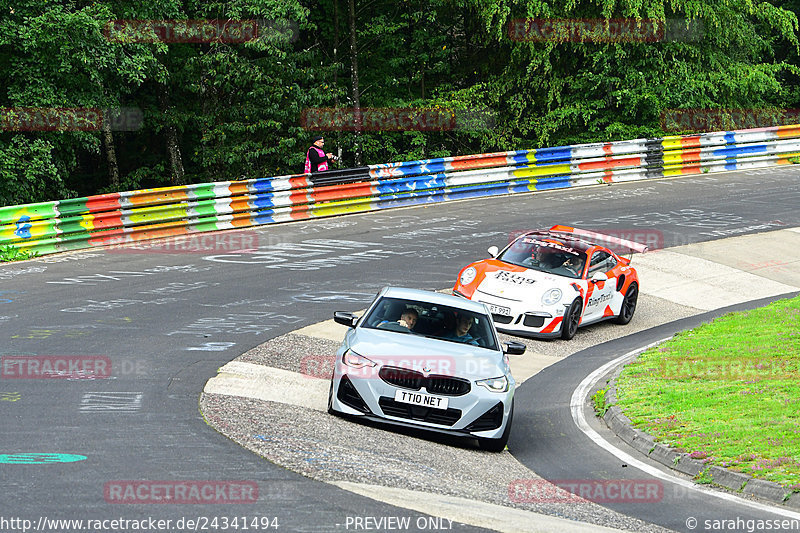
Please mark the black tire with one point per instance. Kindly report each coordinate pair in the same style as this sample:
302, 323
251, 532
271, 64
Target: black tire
498, 445
572, 317
628, 304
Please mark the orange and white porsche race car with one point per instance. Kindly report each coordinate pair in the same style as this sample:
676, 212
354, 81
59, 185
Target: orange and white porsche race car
548, 283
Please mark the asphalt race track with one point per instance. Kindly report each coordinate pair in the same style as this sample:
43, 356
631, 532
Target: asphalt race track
562, 454
155, 323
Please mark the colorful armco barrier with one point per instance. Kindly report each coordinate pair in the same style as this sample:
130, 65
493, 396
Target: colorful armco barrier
127, 217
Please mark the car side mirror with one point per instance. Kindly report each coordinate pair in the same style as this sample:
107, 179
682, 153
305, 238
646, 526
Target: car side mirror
344, 318
599, 276
513, 348
493, 251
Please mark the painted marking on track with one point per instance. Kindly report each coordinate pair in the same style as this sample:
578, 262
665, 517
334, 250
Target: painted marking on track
307, 255
688, 218
70, 257
118, 402
212, 347
10, 396
333, 296
8, 274
95, 305
119, 275
42, 333
4, 298
251, 322
40, 458
576, 405
177, 287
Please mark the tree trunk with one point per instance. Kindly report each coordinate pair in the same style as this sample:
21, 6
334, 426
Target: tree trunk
111, 153
354, 83
177, 176
336, 72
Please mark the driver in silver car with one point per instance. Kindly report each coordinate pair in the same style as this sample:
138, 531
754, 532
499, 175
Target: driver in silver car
407, 320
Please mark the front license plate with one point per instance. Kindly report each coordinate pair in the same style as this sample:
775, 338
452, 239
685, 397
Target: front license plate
499, 310
417, 398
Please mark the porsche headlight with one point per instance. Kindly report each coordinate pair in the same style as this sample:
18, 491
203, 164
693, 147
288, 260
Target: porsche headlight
468, 276
499, 384
353, 360
551, 297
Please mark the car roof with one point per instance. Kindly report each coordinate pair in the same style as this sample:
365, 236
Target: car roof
434, 298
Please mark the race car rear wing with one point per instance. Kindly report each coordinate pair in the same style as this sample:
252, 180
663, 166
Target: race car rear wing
600, 238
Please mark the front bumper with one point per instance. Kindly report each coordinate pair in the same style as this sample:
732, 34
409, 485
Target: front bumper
470, 414
523, 320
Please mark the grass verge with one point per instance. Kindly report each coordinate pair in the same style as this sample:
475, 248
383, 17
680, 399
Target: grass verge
728, 392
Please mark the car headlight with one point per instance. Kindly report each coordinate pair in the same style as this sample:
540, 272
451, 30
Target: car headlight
353, 360
551, 297
468, 276
494, 384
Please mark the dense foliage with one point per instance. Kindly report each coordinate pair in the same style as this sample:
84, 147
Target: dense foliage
227, 109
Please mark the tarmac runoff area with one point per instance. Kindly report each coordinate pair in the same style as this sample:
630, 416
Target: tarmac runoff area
271, 400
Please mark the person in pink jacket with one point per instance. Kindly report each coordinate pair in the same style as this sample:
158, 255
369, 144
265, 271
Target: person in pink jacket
316, 158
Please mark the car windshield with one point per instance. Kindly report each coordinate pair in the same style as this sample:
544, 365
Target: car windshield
546, 255
431, 320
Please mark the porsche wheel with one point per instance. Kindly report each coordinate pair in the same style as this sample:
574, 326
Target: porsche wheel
572, 317
628, 305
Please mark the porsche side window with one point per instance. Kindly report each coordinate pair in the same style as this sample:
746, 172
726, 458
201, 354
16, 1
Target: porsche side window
601, 262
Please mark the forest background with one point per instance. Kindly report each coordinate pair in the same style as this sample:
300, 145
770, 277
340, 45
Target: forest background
502, 73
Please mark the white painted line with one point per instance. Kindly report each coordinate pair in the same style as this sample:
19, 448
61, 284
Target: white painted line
576, 407
94, 402
466, 511
270, 384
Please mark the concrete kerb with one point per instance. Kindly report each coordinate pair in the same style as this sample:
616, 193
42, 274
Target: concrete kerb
794, 501
622, 427
728, 479
767, 490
